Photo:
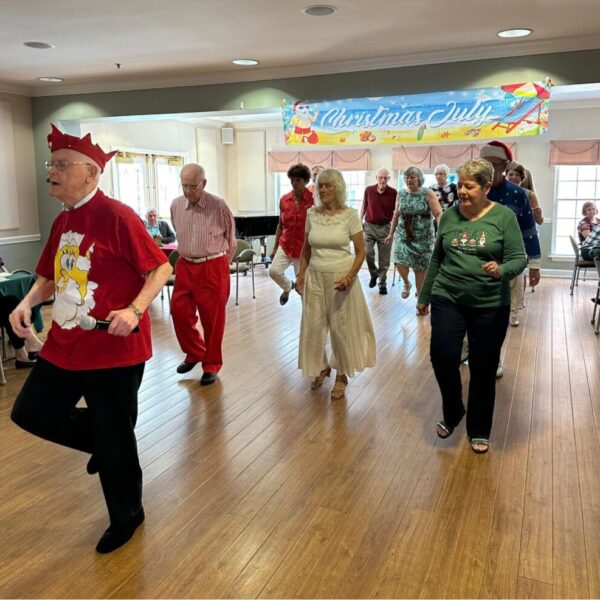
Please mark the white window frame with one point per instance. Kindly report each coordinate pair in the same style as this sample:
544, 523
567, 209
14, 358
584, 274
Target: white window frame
577, 202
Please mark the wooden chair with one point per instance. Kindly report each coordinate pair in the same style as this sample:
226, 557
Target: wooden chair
242, 262
580, 263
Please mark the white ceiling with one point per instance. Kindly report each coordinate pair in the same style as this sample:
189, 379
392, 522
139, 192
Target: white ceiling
185, 42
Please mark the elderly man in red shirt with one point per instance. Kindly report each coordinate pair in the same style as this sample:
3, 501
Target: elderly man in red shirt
377, 211
100, 264
206, 242
289, 237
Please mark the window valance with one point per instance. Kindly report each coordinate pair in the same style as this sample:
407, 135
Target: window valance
574, 152
344, 160
428, 157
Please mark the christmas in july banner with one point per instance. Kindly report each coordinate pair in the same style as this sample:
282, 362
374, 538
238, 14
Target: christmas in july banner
513, 110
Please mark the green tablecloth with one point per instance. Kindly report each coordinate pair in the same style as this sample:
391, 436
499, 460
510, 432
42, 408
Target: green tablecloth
18, 284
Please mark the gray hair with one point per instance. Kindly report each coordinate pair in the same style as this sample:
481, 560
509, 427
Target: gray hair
415, 171
151, 210
479, 169
335, 178
443, 168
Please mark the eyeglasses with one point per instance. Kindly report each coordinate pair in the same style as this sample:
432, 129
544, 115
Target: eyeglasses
190, 186
61, 165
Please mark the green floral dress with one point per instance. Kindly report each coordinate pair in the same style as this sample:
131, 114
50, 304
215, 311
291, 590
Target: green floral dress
413, 240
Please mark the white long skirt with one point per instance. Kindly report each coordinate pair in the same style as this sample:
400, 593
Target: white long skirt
344, 316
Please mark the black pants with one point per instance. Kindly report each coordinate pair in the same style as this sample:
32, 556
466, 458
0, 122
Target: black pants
7, 305
46, 407
486, 330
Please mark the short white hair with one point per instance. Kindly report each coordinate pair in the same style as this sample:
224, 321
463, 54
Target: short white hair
443, 168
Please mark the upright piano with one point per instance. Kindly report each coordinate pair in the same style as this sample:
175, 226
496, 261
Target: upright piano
251, 227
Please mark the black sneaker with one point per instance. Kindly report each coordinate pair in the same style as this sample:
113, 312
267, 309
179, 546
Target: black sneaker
383, 290
373, 282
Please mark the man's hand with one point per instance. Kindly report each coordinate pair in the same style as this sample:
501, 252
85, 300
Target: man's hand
299, 285
20, 319
122, 322
534, 277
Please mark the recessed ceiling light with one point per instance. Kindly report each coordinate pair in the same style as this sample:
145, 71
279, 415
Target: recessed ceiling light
245, 62
514, 33
51, 79
319, 10
38, 45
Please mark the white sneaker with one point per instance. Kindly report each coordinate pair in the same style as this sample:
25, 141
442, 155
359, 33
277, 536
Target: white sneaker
514, 318
499, 371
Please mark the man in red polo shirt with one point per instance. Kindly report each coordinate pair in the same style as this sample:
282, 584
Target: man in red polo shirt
377, 211
289, 237
98, 262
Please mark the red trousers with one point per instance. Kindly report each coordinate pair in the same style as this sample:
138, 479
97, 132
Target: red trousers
201, 289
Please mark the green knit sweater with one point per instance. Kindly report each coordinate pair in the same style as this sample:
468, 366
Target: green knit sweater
462, 246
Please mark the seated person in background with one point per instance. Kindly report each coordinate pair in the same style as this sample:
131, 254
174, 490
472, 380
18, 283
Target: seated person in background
590, 248
161, 231
589, 221
25, 349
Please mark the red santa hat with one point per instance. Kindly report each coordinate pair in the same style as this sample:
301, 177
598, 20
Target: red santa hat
57, 140
496, 149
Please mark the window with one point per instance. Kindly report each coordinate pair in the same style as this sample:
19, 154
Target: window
145, 181
574, 185
355, 187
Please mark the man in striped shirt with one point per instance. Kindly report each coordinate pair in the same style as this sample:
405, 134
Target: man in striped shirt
206, 242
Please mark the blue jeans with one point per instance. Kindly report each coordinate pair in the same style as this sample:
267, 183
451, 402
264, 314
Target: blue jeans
486, 330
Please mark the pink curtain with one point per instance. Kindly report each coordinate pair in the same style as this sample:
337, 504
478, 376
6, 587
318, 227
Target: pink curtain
344, 160
411, 156
452, 155
572, 152
352, 160
282, 161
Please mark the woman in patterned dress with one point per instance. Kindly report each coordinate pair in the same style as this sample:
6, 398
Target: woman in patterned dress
412, 230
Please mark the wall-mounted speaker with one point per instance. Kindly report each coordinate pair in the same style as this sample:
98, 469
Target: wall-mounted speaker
226, 135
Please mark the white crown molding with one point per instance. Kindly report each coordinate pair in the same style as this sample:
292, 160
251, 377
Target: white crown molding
498, 50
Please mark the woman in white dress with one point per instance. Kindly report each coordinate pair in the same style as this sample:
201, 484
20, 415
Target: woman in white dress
334, 302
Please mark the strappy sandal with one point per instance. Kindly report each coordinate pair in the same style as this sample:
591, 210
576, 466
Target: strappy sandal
483, 443
339, 388
443, 431
406, 290
318, 381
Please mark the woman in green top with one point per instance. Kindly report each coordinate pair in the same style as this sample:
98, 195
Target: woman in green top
478, 250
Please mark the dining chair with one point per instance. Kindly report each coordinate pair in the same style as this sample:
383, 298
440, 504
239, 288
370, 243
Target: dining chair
579, 264
242, 262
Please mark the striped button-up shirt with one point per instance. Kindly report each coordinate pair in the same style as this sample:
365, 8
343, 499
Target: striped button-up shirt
204, 229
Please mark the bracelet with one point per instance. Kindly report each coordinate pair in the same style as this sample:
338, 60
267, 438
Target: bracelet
138, 313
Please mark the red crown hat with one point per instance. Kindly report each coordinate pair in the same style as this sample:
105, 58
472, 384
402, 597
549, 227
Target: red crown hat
496, 149
57, 140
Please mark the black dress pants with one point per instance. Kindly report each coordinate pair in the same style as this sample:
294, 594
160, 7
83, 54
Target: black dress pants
486, 330
46, 407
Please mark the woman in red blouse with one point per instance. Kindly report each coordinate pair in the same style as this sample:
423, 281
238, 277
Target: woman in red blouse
289, 236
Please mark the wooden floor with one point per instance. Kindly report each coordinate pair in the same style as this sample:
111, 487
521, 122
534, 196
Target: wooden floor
258, 487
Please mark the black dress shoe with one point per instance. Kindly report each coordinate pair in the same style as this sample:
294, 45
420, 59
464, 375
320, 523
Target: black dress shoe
33, 355
594, 299
92, 466
285, 296
383, 290
115, 537
24, 364
186, 366
208, 378
373, 282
